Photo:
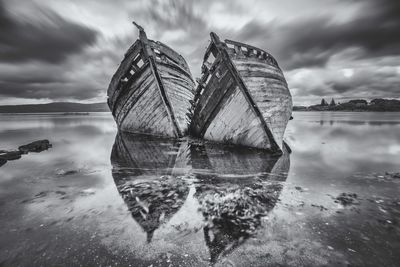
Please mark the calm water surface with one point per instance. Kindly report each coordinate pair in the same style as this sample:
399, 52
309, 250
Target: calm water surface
98, 198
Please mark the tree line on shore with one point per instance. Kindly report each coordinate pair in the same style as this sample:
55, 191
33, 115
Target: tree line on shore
378, 104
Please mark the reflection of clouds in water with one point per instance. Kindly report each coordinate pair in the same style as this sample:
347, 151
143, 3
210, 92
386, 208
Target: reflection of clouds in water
84, 147
394, 149
49, 121
355, 123
346, 146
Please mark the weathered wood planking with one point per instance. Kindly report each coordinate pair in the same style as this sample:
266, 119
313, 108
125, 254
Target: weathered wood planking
269, 90
148, 115
242, 97
116, 86
151, 91
176, 83
236, 123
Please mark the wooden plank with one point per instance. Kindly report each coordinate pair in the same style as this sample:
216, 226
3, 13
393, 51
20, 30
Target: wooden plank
149, 54
115, 86
141, 79
236, 123
211, 100
131, 99
169, 52
177, 82
148, 115
268, 88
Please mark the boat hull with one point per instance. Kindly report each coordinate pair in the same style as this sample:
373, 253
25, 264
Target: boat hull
267, 86
242, 97
151, 91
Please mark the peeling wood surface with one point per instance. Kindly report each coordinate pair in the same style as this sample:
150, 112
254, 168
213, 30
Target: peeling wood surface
115, 85
151, 90
242, 97
148, 114
236, 123
176, 85
269, 90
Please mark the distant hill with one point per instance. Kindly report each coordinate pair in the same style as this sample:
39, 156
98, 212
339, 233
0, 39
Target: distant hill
378, 104
55, 107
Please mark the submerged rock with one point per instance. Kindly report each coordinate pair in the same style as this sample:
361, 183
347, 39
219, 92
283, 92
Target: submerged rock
2, 162
347, 199
37, 146
67, 172
10, 155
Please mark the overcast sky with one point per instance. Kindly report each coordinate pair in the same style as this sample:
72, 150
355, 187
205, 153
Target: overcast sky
68, 50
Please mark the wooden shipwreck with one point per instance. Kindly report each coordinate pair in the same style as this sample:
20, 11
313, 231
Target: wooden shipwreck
242, 97
151, 90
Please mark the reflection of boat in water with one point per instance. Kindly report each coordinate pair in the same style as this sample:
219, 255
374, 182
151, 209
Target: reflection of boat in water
153, 202
233, 208
151, 90
235, 187
143, 154
138, 161
224, 161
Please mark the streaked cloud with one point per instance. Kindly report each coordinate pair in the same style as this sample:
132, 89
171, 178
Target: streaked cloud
69, 50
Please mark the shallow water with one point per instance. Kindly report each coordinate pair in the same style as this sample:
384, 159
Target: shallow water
98, 198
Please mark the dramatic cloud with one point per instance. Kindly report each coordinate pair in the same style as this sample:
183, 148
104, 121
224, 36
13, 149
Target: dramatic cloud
313, 40
69, 50
50, 39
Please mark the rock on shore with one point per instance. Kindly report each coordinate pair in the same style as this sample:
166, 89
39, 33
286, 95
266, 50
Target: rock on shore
10, 155
37, 146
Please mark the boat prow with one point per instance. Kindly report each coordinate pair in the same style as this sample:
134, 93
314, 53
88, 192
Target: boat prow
151, 91
242, 97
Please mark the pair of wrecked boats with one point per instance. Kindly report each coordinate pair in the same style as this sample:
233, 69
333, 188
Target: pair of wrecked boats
242, 97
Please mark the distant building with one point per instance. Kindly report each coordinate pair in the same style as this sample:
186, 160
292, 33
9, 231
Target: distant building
332, 103
323, 102
359, 102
